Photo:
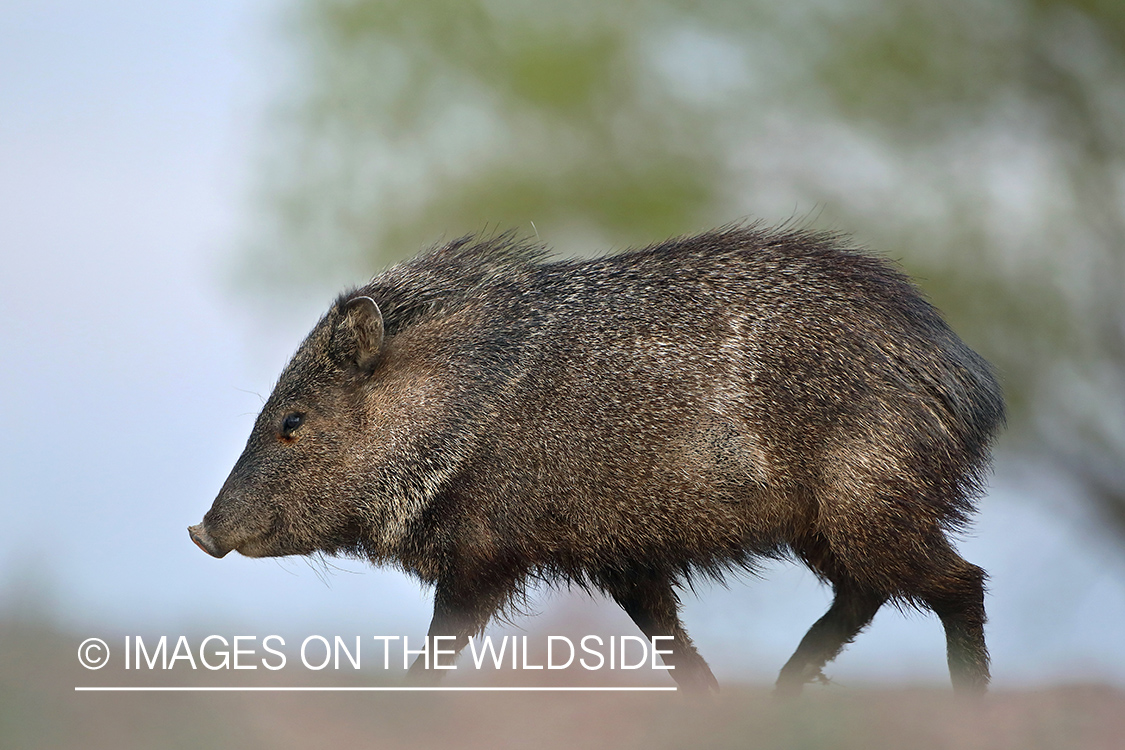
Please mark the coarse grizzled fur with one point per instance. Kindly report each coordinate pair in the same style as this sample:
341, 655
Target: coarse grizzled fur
481, 417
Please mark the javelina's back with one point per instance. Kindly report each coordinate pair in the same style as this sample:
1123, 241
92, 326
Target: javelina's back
629, 421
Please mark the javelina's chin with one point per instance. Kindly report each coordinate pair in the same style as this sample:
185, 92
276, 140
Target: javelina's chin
206, 542
268, 545
254, 548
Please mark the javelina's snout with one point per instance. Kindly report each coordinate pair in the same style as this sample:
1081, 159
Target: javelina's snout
204, 541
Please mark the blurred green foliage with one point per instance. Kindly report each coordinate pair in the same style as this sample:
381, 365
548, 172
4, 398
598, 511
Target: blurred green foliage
982, 142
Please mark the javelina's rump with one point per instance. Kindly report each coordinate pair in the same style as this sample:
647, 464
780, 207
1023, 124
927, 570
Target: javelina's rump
481, 417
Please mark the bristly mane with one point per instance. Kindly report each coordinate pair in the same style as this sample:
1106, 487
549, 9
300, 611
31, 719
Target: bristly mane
445, 276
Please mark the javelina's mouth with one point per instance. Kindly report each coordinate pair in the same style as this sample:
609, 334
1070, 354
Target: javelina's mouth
204, 541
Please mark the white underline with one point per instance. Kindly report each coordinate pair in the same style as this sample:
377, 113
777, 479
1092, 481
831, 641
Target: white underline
404, 689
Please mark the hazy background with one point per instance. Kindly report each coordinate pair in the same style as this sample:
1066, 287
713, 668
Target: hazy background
184, 187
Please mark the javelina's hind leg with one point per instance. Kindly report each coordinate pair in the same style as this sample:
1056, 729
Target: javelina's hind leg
653, 605
958, 599
461, 610
851, 611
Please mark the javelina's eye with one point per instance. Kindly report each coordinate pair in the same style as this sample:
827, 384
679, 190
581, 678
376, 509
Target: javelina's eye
291, 423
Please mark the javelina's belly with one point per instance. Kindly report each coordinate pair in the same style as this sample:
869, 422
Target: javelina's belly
699, 496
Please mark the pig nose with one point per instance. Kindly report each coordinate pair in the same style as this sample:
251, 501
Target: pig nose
204, 541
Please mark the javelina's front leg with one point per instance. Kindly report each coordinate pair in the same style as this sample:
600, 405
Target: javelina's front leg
653, 605
461, 610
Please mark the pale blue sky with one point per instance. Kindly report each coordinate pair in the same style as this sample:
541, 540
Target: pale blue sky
130, 368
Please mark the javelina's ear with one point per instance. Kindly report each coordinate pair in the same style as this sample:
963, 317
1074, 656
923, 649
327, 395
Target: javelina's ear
358, 335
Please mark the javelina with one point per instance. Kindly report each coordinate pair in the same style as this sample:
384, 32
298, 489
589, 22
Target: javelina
481, 417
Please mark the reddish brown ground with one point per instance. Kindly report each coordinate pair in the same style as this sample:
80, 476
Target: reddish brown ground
39, 709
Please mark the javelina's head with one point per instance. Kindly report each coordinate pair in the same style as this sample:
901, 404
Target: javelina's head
299, 483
